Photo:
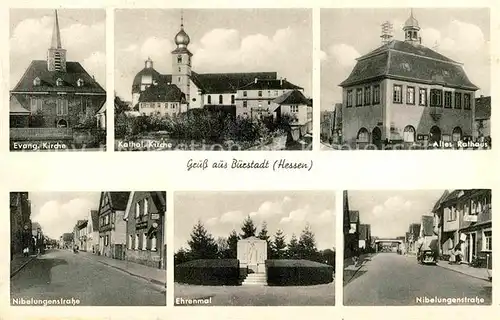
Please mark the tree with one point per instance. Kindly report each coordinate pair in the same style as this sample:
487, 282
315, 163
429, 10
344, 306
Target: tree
248, 228
307, 244
278, 247
264, 236
222, 247
293, 248
202, 244
232, 243
181, 256
120, 105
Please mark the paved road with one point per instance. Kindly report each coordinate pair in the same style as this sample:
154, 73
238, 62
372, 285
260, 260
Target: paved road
63, 274
392, 279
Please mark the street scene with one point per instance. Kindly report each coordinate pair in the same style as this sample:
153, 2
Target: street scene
414, 79
213, 79
254, 248
57, 74
88, 249
419, 247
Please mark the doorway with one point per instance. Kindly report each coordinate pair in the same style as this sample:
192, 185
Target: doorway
435, 134
472, 246
377, 137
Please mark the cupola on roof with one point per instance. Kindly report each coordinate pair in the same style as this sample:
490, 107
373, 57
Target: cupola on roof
182, 38
411, 22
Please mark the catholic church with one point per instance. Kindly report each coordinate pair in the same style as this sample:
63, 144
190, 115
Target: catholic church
56, 93
249, 94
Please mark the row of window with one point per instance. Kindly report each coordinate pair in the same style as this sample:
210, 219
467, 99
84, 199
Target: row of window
142, 242
475, 207
260, 93
36, 104
158, 105
221, 99
438, 97
409, 135
59, 82
370, 95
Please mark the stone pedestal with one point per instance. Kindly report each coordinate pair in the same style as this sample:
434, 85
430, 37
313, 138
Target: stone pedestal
252, 254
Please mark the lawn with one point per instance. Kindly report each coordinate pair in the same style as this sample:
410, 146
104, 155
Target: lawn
318, 295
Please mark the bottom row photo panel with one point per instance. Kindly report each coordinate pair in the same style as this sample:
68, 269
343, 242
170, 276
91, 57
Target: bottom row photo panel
417, 247
88, 248
254, 248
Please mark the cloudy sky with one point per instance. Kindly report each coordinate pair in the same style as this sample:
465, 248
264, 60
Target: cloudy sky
221, 212
58, 212
460, 34
390, 213
83, 35
222, 40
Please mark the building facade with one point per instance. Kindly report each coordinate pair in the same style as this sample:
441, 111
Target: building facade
464, 219
20, 223
145, 218
80, 232
56, 93
249, 94
92, 239
112, 225
482, 116
405, 93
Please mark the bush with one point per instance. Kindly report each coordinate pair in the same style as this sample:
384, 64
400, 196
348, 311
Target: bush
297, 273
208, 272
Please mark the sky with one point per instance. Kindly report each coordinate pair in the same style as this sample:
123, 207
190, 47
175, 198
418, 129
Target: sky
58, 212
222, 40
290, 211
390, 213
346, 34
83, 35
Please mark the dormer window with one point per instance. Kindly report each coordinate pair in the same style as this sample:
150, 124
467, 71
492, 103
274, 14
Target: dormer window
59, 82
36, 81
79, 82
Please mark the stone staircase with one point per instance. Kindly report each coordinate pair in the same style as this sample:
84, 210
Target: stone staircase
255, 279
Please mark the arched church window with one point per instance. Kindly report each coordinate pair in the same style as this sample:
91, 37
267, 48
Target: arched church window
363, 135
209, 99
220, 99
179, 59
232, 99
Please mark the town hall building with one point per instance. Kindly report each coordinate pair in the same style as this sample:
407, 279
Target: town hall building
248, 94
55, 93
405, 93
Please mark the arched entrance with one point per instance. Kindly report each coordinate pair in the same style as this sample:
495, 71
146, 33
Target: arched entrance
377, 137
62, 123
435, 134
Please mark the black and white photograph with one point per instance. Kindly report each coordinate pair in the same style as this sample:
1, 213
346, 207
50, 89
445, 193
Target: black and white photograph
405, 79
57, 77
417, 247
210, 79
88, 248
250, 248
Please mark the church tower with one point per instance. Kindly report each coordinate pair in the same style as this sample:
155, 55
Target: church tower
181, 62
411, 30
56, 55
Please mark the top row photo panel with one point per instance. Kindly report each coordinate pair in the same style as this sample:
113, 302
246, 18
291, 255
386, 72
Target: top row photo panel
241, 79
403, 79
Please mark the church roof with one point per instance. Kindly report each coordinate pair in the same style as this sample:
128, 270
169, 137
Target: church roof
228, 82
483, 108
292, 97
162, 92
405, 61
16, 108
74, 71
269, 84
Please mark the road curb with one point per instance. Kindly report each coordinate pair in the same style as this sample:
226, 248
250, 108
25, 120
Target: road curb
154, 281
356, 271
464, 273
13, 273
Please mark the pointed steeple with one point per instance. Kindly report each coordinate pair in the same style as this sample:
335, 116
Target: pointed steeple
56, 55
56, 34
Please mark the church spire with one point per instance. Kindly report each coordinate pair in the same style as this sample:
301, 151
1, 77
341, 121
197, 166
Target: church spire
411, 30
182, 19
56, 55
56, 34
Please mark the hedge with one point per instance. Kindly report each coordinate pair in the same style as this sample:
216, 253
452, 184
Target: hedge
208, 272
297, 273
